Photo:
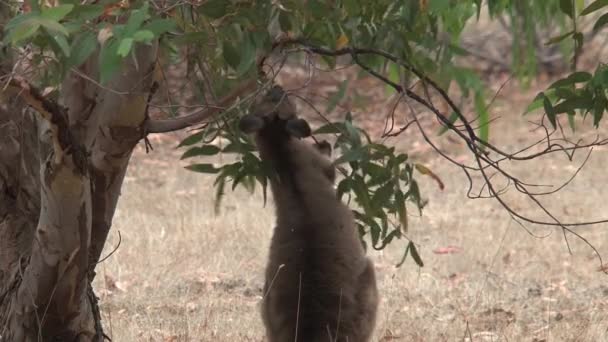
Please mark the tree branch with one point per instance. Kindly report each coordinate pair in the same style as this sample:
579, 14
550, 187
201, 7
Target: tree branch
52, 112
196, 117
483, 161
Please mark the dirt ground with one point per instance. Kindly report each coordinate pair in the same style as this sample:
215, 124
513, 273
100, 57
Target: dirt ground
183, 273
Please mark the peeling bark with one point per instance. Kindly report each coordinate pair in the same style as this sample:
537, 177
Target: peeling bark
19, 190
61, 171
51, 299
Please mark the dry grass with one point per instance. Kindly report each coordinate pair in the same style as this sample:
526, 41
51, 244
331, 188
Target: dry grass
183, 273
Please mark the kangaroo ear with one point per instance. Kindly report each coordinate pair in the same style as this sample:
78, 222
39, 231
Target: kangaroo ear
298, 128
250, 123
324, 147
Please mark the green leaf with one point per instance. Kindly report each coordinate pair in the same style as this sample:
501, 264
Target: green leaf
375, 234
438, 5
82, 47
360, 189
382, 195
549, 111
125, 47
109, 60
567, 7
594, 6
576, 77
573, 104
24, 30
389, 238
18, 20
401, 209
193, 139
580, 76
378, 174
598, 108
331, 128
61, 45
317, 8
571, 122
601, 77
35, 5
452, 119
247, 56
251, 160
355, 154
564, 93
394, 76
353, 133
343, 187
238, 147
415, 255
261, 39
414, 194
203, 168
207, 150
214, 9
143, 36
53, 26
539, 100
56, 13
478, 5
601, 22
405, 253
231, 56
87, 12
559, 38
230, 171
240, 176
159, 26
136, 19
580, 5
249, 183
336, 97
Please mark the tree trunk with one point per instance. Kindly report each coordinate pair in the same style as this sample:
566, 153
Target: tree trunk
61, 170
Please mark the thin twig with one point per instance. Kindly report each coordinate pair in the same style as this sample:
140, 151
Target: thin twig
480, 148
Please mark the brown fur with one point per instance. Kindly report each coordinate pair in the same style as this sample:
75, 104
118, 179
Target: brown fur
319, 283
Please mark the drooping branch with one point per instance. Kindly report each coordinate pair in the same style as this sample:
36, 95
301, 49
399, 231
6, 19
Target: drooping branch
479, 147
196, 117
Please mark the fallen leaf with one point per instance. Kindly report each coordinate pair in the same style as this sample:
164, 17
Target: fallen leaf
447, 250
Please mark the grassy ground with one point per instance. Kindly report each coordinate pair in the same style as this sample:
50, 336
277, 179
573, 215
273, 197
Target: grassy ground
183, 273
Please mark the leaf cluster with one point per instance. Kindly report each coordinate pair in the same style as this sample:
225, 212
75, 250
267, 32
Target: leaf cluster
71, 32
221, 40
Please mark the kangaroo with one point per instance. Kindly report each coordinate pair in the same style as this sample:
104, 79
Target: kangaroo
319, 285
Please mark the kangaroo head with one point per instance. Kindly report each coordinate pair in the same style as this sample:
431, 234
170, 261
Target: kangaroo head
275, 109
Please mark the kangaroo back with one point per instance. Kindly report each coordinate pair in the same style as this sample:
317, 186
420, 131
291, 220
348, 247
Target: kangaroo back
319, 284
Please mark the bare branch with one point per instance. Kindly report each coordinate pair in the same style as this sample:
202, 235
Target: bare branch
196, 117
481, 149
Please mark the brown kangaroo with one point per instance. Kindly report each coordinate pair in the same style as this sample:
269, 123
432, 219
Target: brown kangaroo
319, 284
